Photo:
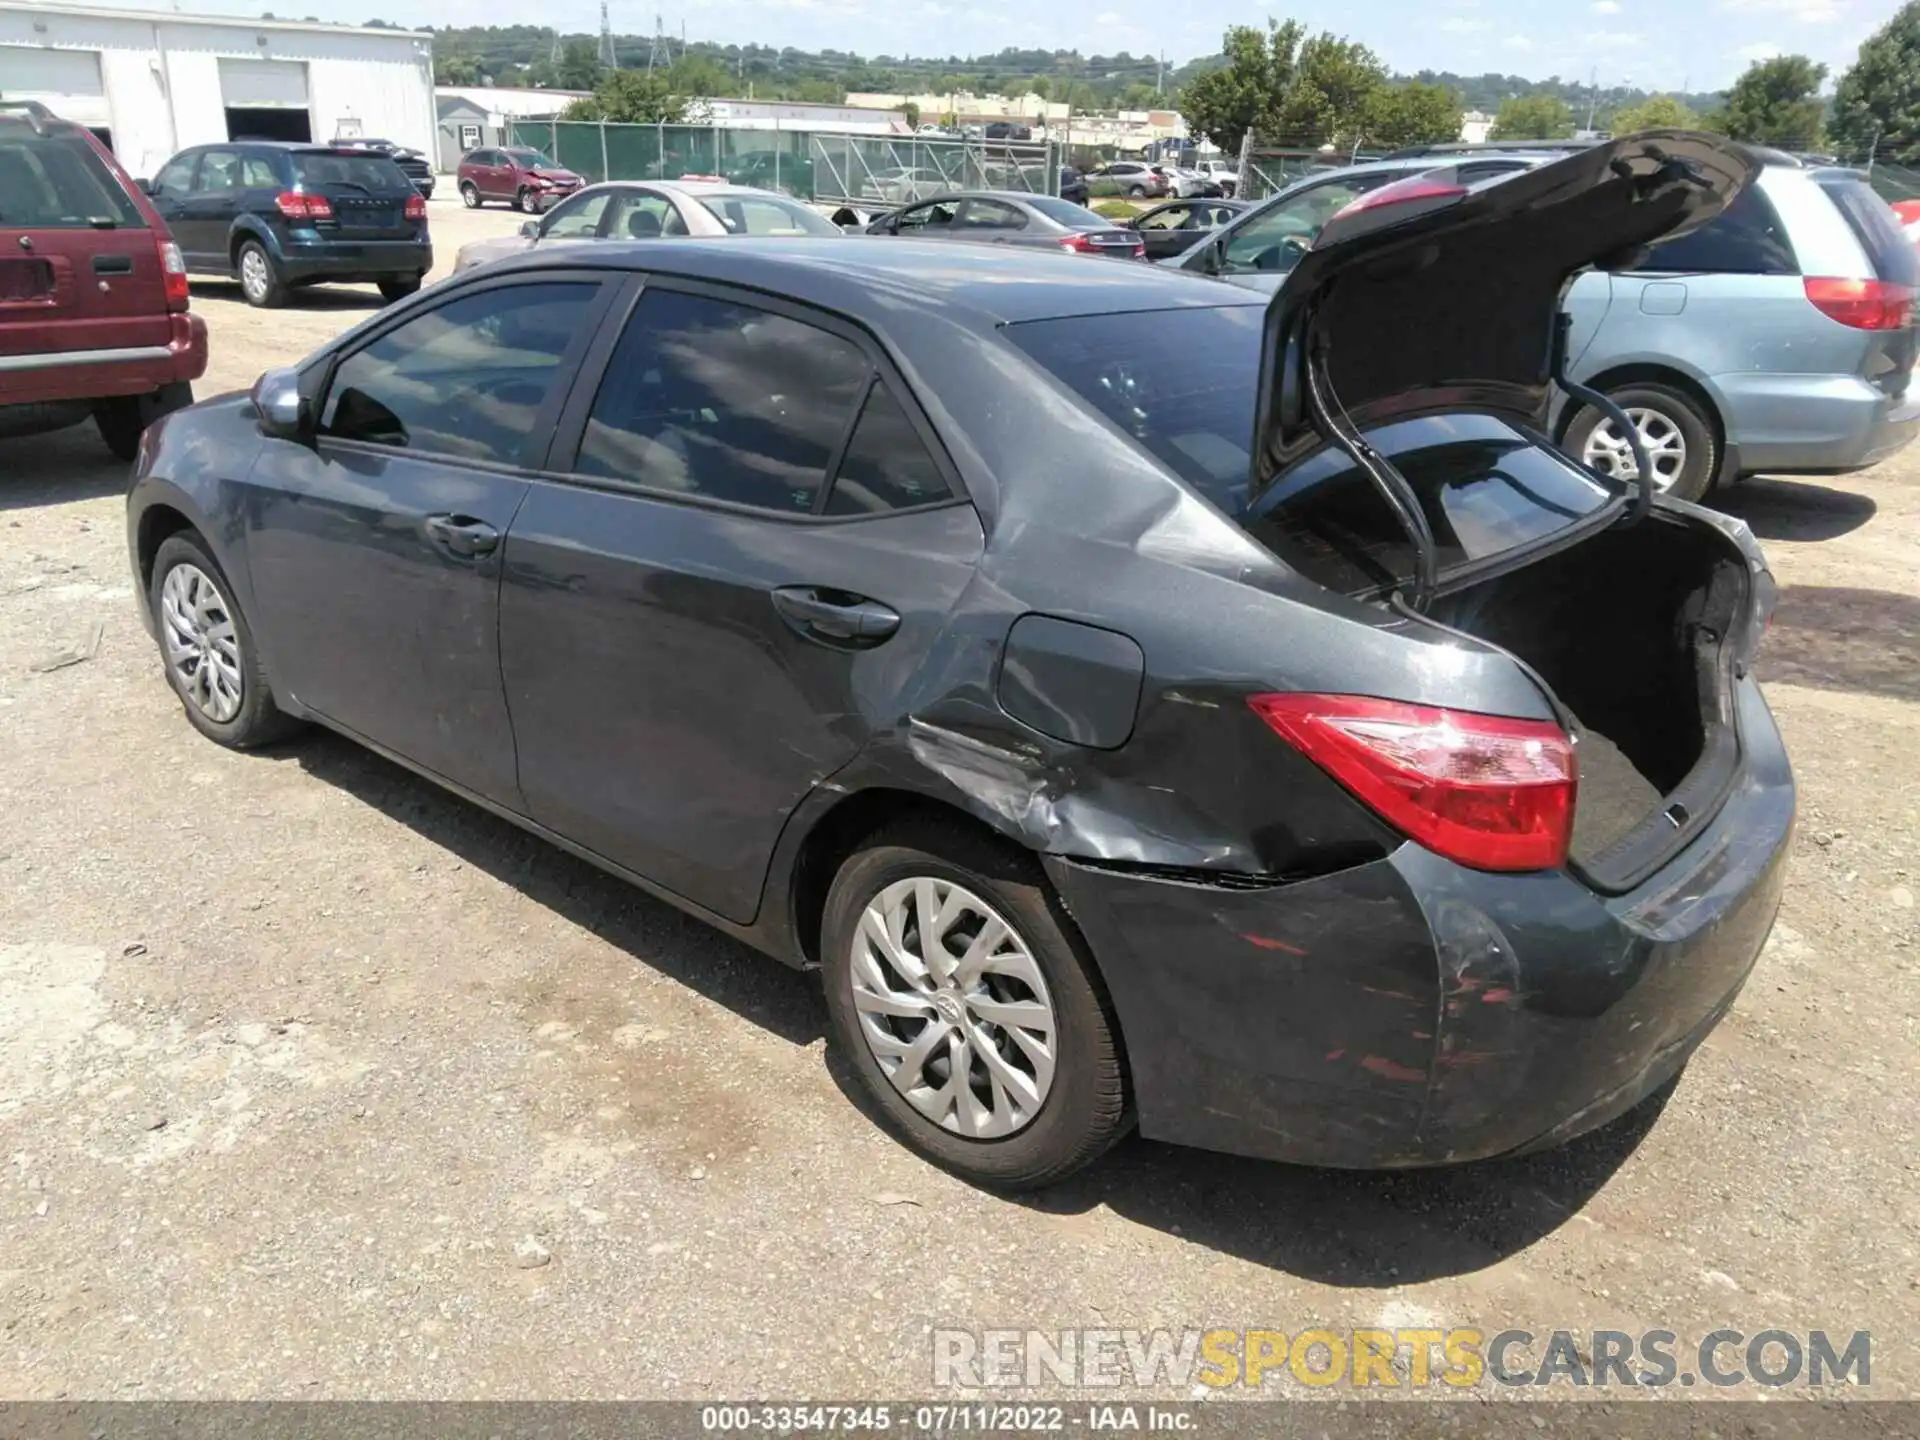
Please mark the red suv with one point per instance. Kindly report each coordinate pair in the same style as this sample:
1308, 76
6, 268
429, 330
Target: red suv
93, 291
523, 178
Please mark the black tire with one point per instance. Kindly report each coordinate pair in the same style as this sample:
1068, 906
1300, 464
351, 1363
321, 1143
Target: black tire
469, 195
1085, 1110
399, 287
1138, 192
123, 420
526, 202
270, 293
258, 720
1702, 460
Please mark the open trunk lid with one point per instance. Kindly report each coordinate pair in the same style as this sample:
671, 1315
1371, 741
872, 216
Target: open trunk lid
1447, 298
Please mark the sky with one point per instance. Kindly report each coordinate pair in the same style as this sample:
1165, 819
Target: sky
1652, 44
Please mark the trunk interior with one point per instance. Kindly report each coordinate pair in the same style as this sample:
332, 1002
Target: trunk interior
1630, 629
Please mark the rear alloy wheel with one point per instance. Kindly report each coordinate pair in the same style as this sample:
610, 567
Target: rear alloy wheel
399, 287
1678, 439
260, 281
526, 201
1138, 192
469, 195
208, 648
965, 1002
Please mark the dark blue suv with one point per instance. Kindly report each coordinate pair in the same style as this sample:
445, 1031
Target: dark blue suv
278, 216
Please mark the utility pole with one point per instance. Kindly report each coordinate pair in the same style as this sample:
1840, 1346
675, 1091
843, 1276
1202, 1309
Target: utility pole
1593, 94
554, 55
661, 55
1160, 76
608, 57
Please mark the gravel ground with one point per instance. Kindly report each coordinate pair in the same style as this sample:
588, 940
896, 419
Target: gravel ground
316, 1082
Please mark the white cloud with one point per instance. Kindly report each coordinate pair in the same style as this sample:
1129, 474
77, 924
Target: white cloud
1460, 25
1605, 7
1516, 42
1759, 50
1611, 39
1109, 17
1806, 12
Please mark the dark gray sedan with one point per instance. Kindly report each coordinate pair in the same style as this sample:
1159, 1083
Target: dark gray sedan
1139, 703
1012, 217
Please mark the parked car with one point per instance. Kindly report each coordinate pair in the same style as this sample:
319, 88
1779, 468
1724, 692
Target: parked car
1222, 173
1126, 177
1123, 775
783, 172
622, 210
94, 319
1186, 184
413, 164
1169, 229
279, 217
1776, 339
1002, 130
898, 184
1012, 217
517, 174
1908, 214
1073, 186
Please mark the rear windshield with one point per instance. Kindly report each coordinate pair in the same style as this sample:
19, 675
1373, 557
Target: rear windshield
367, 172
765, 215
56, 181
1183, 387
1877, 229
1065, 211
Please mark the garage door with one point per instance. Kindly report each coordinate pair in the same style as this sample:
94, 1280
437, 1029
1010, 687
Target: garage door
263, 84
67, 82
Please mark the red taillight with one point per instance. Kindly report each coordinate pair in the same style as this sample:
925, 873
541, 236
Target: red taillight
173, 272
1488, 791
296, 206
1402, 192
417, 206
1077, 242
1861, 304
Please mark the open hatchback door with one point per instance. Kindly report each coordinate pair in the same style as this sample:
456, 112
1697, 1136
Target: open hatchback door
1401, 456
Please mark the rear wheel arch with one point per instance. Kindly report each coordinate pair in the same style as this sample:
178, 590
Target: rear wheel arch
241, 234
1620, 376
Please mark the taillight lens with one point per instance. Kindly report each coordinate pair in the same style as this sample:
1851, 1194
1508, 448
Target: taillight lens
1077, 242
417, 206
173, 273
1861, 304
296, 206
1488, 791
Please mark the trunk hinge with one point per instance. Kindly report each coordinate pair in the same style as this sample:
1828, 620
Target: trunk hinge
1586, 395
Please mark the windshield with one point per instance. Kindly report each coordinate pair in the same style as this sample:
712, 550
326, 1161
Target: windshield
1184, 388
1065, 211
367, 171
533, 158
766, 215
57, 182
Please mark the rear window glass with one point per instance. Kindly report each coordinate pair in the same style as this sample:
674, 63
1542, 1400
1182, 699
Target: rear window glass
57, 182
1065, 211
764, 215
1877, 229
368, 172
1484, 486
1746, 239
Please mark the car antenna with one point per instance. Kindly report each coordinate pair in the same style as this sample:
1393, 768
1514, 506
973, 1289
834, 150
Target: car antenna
1586, 395
1325, 407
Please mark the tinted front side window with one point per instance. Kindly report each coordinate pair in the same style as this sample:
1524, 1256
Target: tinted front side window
1276, 238
465, 379
1484, 486
712, 398
1747, 238
887, 466
57, 182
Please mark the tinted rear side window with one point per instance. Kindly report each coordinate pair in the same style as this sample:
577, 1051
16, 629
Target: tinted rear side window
368, 172
1877, 229
1746, 239
887, 466
1484, 486
57, 182
1181, 383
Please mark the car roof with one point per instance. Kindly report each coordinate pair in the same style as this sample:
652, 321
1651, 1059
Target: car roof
866, 274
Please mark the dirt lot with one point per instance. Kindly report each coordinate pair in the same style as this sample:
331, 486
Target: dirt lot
316, 1082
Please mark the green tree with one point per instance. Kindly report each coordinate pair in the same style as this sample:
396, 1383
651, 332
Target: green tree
1247, 92
912, 112
456, 70
697, 76
1776, 103
630, 97
1413, 114
1532, 117
1876, 105
1335, 83
579, 65
1657, 112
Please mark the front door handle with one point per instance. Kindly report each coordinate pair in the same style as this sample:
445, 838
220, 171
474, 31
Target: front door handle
463, 535
835, 616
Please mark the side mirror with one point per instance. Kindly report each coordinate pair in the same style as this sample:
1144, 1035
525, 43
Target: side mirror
530, 229
282, 409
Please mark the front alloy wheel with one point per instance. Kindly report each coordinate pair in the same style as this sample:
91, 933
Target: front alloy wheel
1608, 452
201, 644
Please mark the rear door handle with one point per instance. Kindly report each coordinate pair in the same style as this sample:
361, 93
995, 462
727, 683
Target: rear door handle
463, 535
834, 616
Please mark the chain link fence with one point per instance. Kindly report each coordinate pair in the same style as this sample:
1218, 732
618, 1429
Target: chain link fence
869, 171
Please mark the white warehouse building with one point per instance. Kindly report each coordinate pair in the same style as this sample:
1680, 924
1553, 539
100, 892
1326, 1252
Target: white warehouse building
150, 82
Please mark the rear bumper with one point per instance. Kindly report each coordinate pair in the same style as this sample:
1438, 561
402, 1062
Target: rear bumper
356, 260
1411, 1012
1801, 424
101, 374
